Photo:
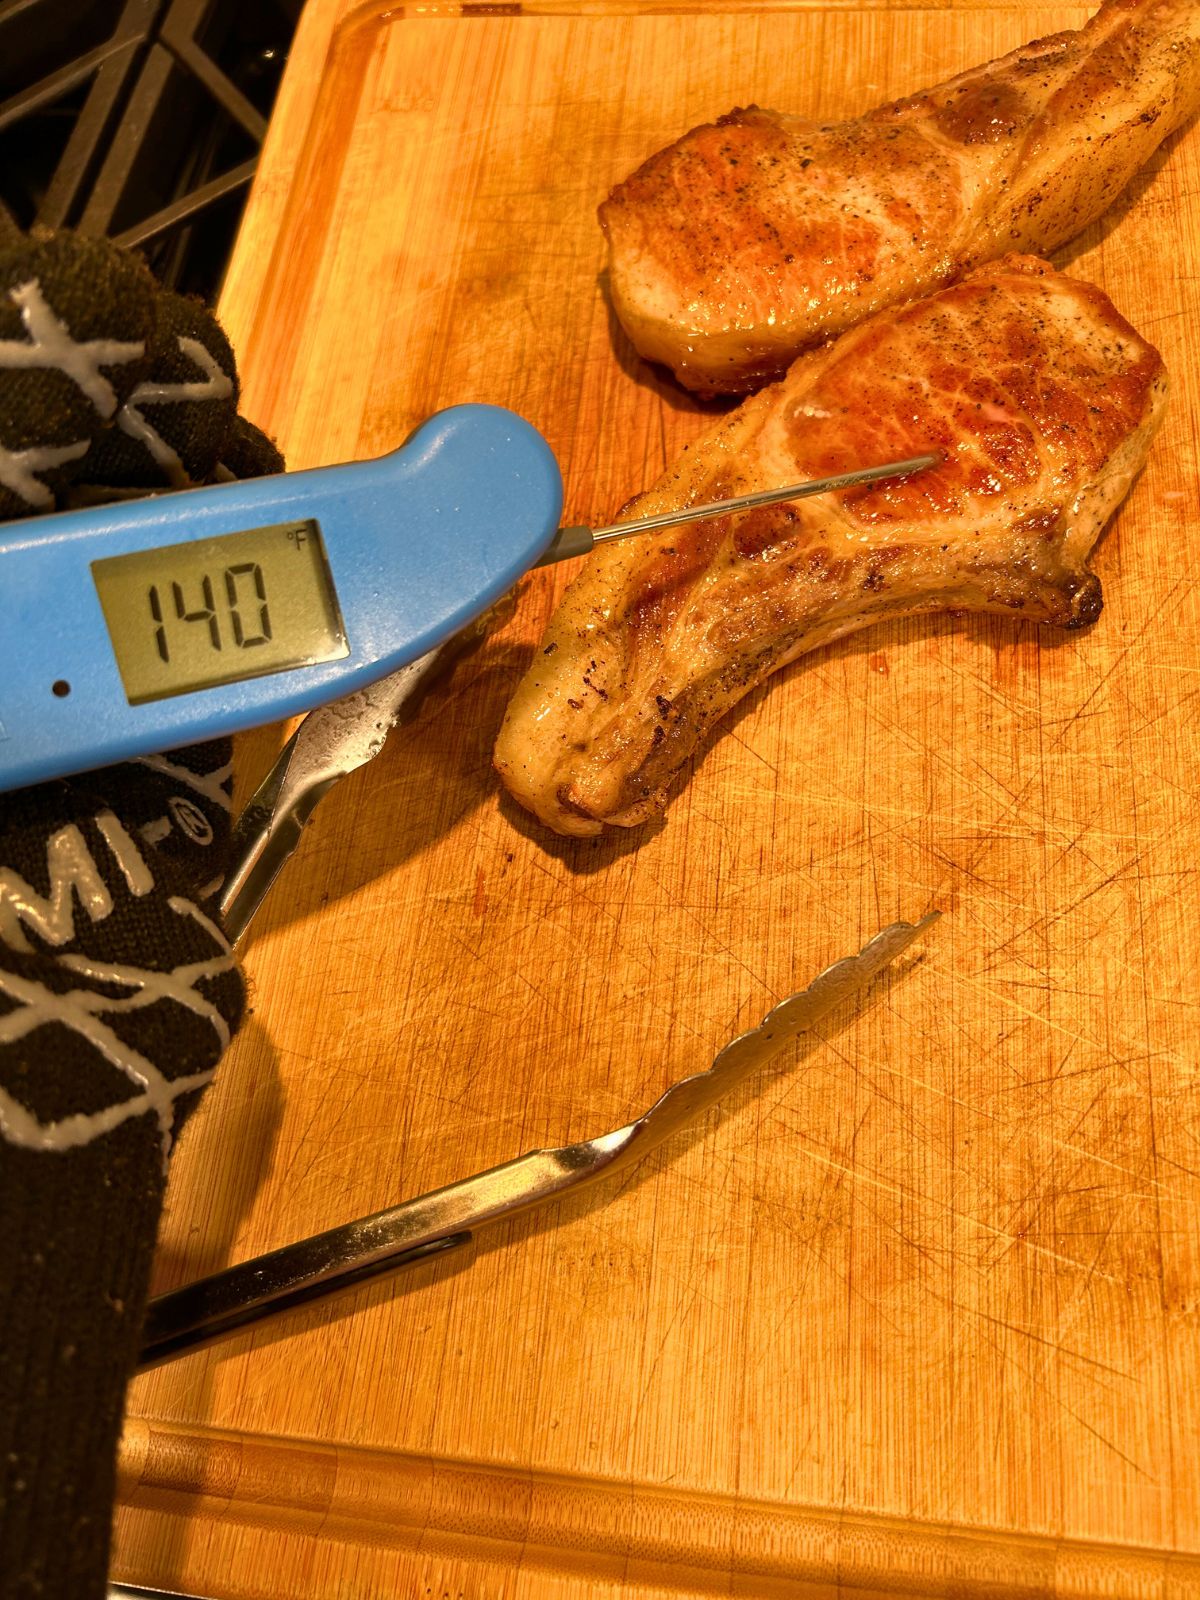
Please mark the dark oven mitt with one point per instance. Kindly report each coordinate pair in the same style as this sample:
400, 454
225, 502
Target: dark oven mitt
118, 990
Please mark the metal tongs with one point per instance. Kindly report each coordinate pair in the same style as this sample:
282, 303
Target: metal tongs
330, 743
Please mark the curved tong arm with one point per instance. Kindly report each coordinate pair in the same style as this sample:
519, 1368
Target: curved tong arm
330, 743
444, 1218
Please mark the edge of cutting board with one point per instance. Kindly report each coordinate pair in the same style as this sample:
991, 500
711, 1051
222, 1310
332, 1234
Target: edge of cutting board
570, 1525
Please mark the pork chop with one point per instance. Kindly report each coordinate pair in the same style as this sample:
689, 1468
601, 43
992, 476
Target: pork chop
755, 237
1041, 398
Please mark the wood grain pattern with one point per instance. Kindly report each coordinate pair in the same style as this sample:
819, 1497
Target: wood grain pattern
919, 1312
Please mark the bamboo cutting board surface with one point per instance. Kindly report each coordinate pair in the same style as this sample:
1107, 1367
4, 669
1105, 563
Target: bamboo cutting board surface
919, 1311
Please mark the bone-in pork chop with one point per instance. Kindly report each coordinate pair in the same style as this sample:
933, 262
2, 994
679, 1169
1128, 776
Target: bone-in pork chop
1043, 401
752, 239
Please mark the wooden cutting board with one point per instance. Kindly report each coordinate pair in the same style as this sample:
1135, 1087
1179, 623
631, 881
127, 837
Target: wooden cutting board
919, 1312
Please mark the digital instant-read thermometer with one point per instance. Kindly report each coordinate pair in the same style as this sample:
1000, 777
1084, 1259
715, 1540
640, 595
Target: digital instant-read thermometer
132, 628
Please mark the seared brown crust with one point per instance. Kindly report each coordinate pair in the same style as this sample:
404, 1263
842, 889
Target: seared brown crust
1043, 401
753, 238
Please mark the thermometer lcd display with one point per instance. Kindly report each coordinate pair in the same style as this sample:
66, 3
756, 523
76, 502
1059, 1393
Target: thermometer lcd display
190, 616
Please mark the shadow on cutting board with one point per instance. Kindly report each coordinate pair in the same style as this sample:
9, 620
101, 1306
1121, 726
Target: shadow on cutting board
660, 380
231, 1136
1130, 197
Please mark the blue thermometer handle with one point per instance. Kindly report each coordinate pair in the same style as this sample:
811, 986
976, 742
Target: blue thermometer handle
413, 546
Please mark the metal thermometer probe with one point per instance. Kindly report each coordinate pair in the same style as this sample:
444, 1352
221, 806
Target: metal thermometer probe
580, 541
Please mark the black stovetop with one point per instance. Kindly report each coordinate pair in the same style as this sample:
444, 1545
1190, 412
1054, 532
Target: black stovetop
140, 120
